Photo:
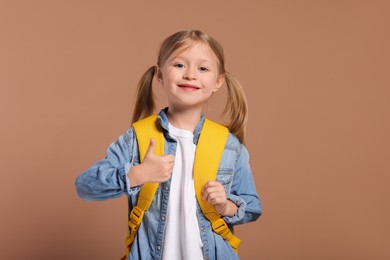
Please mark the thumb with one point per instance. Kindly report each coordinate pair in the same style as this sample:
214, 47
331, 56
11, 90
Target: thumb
152, 146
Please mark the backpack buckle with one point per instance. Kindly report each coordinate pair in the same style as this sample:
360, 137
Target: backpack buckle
220, 227
136, 216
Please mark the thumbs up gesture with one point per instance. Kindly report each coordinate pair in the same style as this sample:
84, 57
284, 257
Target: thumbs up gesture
153, 168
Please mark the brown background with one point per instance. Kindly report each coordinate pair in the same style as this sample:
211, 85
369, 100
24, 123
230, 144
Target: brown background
317, 78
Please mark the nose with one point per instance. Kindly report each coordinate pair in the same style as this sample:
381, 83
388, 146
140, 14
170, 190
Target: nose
189, 74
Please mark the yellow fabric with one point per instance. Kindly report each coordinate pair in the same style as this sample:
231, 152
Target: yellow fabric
207, 158
144, 129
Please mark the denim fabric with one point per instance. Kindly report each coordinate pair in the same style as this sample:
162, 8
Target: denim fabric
107, 179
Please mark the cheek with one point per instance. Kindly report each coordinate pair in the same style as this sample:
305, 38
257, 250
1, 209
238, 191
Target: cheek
212, 83
165, 79
168, 77
168, 81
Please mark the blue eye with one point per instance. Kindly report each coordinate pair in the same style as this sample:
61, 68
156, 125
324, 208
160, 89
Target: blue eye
203, 69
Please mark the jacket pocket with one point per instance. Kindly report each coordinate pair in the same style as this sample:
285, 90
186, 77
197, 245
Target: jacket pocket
225, 177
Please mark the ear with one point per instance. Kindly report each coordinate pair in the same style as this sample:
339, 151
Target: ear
219, 83
157, 72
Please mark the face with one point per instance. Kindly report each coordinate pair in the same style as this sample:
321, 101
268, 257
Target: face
190, 76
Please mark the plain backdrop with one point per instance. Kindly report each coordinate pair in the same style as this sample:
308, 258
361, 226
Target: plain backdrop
316, 74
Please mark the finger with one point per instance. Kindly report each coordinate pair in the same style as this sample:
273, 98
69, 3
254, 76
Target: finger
170, 167
210, 192
151, 147
213, 183
214, 198
207, 184
210, 184
169, 158
167, 176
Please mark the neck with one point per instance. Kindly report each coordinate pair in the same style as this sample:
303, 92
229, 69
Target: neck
184, 119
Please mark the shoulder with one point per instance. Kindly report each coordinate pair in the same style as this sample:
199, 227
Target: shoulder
233, 143
130, 140
232, 151
129, 136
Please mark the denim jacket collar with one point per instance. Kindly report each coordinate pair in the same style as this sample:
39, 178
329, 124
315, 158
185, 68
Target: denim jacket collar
163, 119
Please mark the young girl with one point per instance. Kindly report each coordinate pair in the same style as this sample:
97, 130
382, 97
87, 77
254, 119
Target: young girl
190, 67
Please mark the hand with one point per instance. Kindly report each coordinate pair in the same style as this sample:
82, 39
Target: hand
154, 168
214, 193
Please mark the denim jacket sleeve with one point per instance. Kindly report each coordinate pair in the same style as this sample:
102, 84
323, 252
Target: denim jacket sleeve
243, 192
107, 178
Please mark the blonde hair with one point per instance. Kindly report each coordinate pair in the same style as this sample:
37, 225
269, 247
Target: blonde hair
236, 107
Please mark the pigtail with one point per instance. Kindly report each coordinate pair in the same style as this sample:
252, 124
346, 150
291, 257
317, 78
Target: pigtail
236, 108
144, 104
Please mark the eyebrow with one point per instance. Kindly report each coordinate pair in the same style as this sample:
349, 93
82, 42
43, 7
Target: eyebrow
183, 58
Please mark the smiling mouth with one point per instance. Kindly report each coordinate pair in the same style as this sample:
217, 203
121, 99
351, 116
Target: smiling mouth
188, 87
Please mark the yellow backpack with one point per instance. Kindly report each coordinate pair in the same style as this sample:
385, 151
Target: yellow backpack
207, 158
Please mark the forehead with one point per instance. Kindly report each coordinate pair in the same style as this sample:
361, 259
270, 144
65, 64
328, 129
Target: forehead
195, 50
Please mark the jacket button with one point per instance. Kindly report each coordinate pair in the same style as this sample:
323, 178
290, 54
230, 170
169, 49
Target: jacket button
162, 218
158, 248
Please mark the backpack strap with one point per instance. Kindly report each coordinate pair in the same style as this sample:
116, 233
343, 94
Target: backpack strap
208, 155
144, 130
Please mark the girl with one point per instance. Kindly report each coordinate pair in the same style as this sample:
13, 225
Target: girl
190, 67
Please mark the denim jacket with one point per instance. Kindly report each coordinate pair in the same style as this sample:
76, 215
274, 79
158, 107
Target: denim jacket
107, 179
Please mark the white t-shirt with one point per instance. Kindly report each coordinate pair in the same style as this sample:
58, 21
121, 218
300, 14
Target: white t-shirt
182, 235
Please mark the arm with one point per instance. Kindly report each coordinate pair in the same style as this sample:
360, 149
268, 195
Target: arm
241, 204
243, 192
107, 178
